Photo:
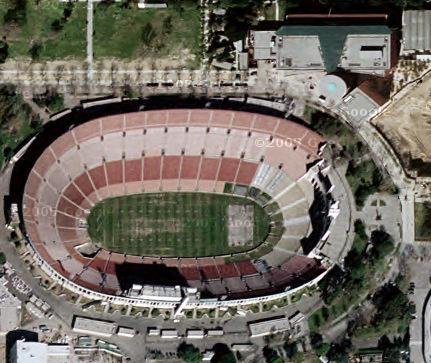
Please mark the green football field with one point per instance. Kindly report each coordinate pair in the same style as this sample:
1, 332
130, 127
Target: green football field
171, 224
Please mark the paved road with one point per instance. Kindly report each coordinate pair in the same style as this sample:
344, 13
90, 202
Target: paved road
420, 274
90, 30
110, 75
110, 72
424, 346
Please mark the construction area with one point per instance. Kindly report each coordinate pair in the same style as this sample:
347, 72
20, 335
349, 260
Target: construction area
407, 126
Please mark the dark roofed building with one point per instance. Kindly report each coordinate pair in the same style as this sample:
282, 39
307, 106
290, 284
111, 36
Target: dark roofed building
359, 48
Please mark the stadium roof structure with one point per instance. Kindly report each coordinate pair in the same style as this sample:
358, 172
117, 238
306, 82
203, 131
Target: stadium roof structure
332, 38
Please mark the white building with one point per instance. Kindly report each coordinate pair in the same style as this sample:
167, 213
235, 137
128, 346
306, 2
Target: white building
93, 327
151, 4
267, 327
35, 352
357, 48
416, 31
215, 332
169, 334
195, 334
162, 293
153, 332
126, 332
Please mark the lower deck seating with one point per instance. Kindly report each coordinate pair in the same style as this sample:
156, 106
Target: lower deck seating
169, 150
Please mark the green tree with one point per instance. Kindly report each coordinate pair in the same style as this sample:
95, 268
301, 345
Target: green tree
271, 355
17, 12
235, 3
4, 51
68, 10
382, 243
339, 352
290, 349
17, 122
167, 24
189, 353
177, 6
321, 348
56, 25
147, 34
392, 350
353, 262
35, 50
391, 303
223, 354
50, 99
55, 101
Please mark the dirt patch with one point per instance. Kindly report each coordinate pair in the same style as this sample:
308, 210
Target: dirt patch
407, 126
240, 226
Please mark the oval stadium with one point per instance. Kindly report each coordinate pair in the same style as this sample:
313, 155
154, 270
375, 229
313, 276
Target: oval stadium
184, 208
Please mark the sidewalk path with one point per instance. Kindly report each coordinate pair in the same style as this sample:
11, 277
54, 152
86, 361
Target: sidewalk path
90, 30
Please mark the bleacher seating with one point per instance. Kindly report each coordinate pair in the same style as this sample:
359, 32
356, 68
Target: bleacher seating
169, 150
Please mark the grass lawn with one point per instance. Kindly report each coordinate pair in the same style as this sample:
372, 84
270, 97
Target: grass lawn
422, 221
58, 31
68, 40
173, 32
171, 224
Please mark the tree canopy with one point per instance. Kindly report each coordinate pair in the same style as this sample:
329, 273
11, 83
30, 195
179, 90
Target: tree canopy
271, 355
189, 353
223, 354
17, 12
391, 303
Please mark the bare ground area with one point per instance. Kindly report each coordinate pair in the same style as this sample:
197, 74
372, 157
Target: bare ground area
407, 125
240, 225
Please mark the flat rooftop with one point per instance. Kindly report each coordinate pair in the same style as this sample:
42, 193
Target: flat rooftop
358, 105
263, 44
93, 326
299, 51
267, 327
369, 51
336, 41
126, 331
417, 30
10, 309
153, 291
